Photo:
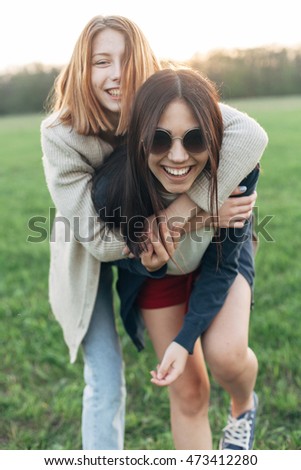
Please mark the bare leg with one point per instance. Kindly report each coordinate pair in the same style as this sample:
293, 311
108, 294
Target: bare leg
232, 363
189, 394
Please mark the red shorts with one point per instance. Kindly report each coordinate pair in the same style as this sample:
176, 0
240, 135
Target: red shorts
167, 291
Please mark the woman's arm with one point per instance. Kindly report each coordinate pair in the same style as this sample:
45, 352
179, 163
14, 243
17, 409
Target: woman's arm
69, 178
233, 213
207, 298
216, 276
208, 295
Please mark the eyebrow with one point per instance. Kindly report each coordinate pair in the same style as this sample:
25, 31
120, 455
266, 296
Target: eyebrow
101, 53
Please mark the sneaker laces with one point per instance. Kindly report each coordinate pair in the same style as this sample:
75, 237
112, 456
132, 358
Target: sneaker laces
237, 432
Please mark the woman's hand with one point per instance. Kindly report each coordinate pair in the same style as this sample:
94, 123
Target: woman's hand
158, 250
170, 230
236, 210
171, 367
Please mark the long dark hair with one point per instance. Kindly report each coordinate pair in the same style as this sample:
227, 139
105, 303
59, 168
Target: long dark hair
142, 198
108, 189
130, 183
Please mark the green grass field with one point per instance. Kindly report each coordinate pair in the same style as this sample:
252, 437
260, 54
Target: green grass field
40, 392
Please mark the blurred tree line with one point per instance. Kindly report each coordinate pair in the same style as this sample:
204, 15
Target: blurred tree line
26, 90
241, 73
253, 72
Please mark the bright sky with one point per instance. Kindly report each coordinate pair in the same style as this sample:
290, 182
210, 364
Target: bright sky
46, 31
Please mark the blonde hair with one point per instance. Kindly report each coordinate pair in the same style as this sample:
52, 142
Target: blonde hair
73, 95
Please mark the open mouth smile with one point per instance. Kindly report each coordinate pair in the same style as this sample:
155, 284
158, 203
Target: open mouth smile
114, 92
177, 171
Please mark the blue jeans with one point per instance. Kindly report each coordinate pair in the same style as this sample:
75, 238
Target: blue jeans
104, 393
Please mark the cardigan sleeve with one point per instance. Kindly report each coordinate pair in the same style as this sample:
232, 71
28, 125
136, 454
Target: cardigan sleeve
216, 276
69, 176
244, 142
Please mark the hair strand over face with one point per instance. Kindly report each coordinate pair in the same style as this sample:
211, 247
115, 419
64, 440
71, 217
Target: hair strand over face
73, 94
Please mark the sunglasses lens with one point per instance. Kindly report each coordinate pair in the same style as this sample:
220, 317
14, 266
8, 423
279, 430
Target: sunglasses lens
161, 143
193, 141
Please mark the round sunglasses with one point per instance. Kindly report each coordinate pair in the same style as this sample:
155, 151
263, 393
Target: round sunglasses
192, 141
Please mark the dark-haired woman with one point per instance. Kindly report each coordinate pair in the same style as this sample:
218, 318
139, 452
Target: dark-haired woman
174, 140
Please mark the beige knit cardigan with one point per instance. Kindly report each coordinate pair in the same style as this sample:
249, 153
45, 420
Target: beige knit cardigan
78, 244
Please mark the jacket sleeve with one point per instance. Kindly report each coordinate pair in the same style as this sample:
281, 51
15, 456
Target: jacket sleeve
244, 142
216, 276
69, 176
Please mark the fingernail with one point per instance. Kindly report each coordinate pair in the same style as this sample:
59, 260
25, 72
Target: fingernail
123, 252
242, 189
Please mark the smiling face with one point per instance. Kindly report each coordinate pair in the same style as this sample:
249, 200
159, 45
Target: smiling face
108, 50
176, 169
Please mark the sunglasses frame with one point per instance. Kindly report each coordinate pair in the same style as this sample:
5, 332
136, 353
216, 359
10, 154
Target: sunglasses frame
171, 139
